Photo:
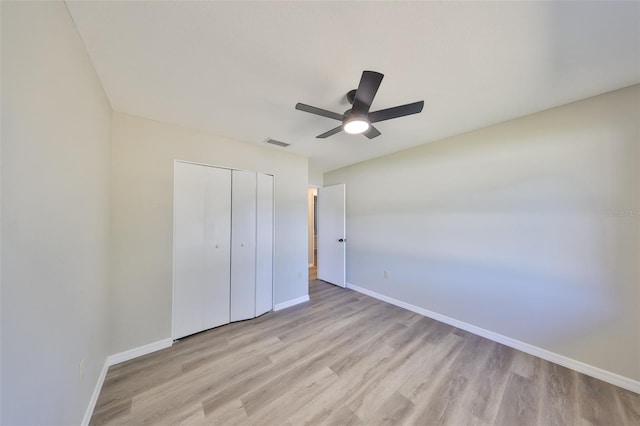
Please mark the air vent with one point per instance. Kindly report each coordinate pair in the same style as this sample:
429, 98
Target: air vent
275, 142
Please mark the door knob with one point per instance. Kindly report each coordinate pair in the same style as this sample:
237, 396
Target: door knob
342, 240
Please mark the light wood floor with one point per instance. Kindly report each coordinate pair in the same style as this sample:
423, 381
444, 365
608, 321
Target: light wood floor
313, 271
344, 358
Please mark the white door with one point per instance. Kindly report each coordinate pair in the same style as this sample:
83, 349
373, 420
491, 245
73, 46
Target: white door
332, 235
202, 230
217, 247
188, 241
243, 245
264, 244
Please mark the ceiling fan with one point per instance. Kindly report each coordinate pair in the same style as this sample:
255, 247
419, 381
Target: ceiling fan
358, 119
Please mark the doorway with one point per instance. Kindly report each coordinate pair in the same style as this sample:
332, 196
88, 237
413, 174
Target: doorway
313, 233
327, 234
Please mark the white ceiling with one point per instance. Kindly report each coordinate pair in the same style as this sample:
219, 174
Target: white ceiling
237, 69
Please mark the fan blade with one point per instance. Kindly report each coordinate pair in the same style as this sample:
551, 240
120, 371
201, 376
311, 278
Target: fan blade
372, 132
367, 89
319, 111
330, 133
395, 112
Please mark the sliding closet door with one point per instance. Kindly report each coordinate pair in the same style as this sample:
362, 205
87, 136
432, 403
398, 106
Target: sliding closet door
264, 244
202, 227
243, 245
217, 247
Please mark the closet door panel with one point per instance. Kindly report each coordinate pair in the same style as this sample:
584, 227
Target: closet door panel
264, 244
188, 249
217, 247
243, 245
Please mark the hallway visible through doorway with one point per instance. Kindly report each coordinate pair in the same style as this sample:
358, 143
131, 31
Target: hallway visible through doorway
313, 270
313, 248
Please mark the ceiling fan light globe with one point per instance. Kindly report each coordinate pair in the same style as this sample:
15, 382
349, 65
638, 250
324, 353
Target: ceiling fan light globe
356, 126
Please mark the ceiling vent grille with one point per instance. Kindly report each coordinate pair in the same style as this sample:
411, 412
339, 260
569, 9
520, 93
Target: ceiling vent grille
278, 143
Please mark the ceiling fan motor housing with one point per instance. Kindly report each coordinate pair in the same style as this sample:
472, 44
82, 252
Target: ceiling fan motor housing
351, 95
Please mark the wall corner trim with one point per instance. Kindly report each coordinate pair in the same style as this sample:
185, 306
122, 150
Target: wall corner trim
117, 359
290, 303
581, 367
96, 393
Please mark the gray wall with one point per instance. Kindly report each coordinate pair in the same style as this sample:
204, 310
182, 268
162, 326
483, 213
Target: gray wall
142, 219
528, 228
55, 217
87, 195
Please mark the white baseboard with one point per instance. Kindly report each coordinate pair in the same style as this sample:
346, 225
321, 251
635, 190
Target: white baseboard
581, 367
290, 303
117, 359
139, 351
96, 393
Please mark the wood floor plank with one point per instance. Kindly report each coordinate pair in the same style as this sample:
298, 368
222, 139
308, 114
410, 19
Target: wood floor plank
597, 404
557, 395
111, 410
328, 355
230, 413
295, 397
418, 386
628, 406
441, 407
350, 381
488, 387
344, 358
406, 360
394, 411
447, 392
519, 404
158, 403
476, 403
341, 417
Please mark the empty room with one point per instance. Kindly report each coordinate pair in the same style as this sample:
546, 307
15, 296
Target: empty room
320, 213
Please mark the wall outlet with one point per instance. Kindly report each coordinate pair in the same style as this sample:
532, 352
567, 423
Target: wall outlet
386, 275
81, 369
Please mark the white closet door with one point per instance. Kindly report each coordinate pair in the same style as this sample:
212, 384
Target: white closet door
217, 247
188, 243
243, 245
264, 244
202, 227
